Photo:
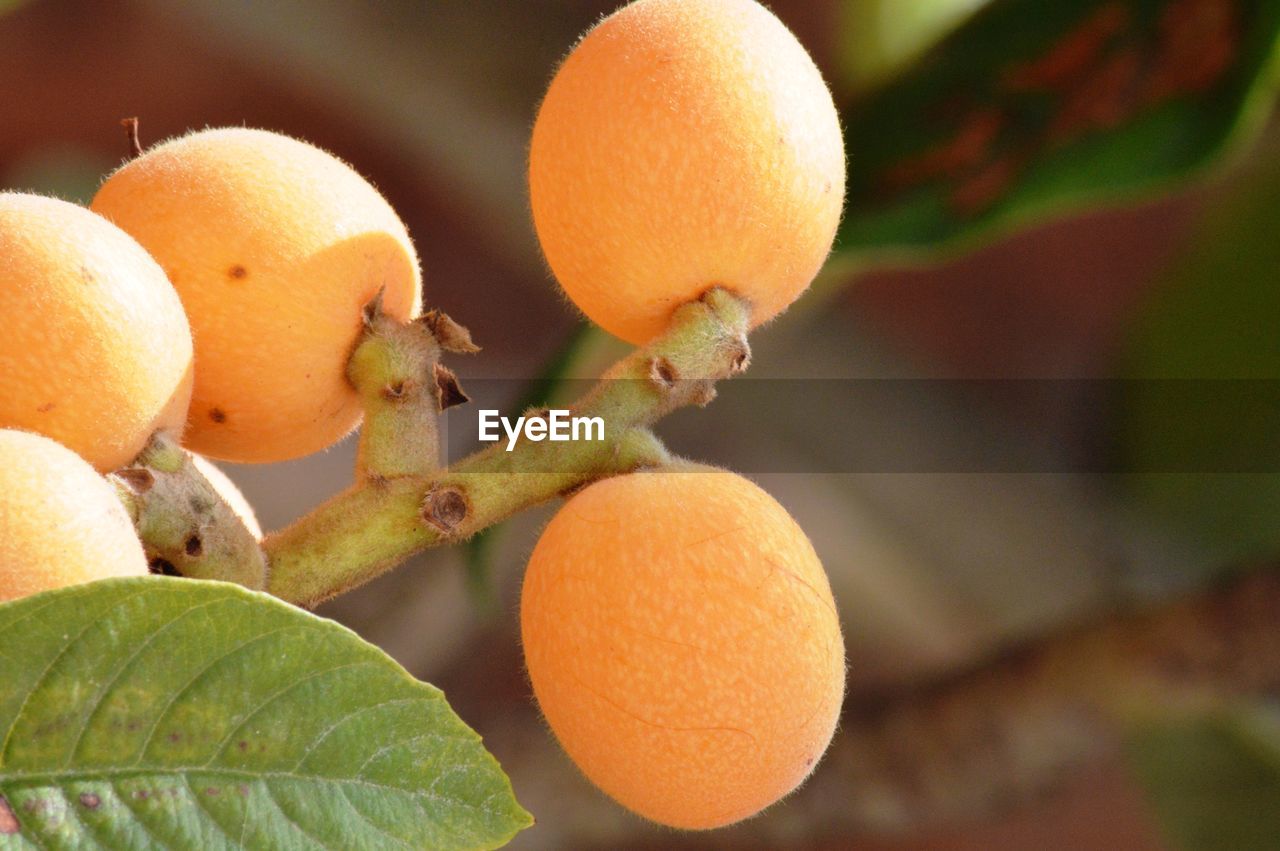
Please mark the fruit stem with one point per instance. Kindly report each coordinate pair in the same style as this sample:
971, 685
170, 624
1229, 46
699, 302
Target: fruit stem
130, 126
383, 520
185, 526
403, 388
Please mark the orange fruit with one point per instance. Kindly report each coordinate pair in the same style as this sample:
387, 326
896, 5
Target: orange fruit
682, 642
97, 352
274, 246
685, 144
61, 523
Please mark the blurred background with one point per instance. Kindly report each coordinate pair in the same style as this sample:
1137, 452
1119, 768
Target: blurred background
1034, 391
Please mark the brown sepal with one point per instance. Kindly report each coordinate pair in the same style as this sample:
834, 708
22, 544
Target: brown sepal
451, 336
448, 391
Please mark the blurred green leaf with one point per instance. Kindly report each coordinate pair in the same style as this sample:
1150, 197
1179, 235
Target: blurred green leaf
158, 712
69, 172
1201, 416
879, 39
1214, 782
477, 557
1033, 109
544, 389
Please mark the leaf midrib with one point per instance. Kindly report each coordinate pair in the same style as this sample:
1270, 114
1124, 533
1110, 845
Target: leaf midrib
59, 778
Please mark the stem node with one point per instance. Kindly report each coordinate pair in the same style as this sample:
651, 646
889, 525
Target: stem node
446, 508
397, 509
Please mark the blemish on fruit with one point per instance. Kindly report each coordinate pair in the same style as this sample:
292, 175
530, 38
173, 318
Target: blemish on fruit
141, 794
8, 821
47, 407
89, 800
194, 547
212, 791
218, 415
242, 745
238, 272
175, 737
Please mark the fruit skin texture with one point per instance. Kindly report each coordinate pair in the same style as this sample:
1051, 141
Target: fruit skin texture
274, 246
60, 522
230, 494
683, 644
96, 352
685, 144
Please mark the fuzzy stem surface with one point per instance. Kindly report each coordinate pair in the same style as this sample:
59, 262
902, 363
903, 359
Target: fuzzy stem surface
382, 520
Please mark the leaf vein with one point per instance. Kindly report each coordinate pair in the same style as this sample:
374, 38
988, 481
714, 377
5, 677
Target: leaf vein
96, 704
271, 698
271, 796
347, 798
350, 715
44, 675
196, 678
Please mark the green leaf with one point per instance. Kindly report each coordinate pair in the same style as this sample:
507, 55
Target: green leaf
180, 713
1214, 781
879, 39
1034, 109
1199, 419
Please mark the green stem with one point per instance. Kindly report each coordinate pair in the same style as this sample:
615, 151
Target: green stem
381, 521
403, 388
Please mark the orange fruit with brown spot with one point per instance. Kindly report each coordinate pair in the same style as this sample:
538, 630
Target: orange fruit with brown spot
682, 145
683, 644
61, 523
274, 246
96, 351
